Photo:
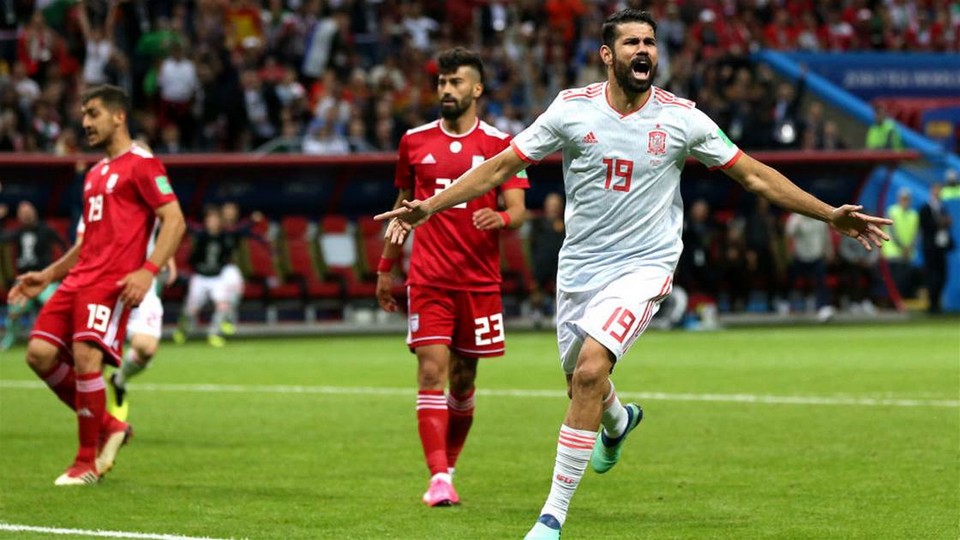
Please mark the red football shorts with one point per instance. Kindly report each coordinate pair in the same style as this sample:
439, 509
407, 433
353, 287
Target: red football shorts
470, 323
92, 314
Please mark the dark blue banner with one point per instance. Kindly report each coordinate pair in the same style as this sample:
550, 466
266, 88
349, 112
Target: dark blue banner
870, 75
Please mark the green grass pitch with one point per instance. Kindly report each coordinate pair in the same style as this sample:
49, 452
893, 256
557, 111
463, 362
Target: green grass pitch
815, 432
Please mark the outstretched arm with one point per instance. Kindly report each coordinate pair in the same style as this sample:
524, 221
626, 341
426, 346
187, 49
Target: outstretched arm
767, 182
470, 185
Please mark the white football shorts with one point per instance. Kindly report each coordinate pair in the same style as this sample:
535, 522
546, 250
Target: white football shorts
147, 318
202, 288
615, 315
233, 281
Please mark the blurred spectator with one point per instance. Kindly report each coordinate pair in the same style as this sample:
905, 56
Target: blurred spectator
734, 281
418, 26
35, 242
322, 138
547, 233
951, 188
697, 270
262, 108
787, 124
811, 250
178, 84
11, 139
899, 251
937, 243
831, 140
46, 125
858, 276
27, 90
380, 50
883, 134
169, 140
39, 47
357, 137
98, 43
765, 267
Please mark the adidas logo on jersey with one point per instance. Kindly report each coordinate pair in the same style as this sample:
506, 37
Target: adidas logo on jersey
429, 160
590, 138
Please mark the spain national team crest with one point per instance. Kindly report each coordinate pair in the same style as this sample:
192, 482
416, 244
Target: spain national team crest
657, 143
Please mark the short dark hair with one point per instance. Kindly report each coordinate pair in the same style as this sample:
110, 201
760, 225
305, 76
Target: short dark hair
451, 59
113, 97
628, 15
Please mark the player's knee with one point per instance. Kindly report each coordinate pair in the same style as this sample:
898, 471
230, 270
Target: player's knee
593, 368
430, 375
41, 356
87, 358
429, 378
144, 347
589, 375
463, 374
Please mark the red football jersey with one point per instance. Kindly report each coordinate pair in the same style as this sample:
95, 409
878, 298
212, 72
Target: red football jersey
119, 200
448, 250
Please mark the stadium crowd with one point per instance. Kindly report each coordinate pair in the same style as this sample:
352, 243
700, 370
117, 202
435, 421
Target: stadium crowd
341, 76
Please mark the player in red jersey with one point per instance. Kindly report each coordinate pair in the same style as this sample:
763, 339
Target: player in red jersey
455, 312
106, 275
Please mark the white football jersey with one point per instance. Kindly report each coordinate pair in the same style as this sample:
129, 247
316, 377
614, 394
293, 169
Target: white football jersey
622, 179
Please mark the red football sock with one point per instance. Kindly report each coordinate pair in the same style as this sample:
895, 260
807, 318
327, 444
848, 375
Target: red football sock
432, 424
63, 381
460, 408
91, 405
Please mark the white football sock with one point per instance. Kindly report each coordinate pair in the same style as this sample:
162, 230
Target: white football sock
130, 368
573, 452
614, 417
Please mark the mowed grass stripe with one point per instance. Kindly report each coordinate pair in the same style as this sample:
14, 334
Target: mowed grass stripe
521, 393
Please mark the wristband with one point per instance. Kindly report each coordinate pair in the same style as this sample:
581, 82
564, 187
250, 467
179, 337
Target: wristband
385, 265
150, 267
506, 219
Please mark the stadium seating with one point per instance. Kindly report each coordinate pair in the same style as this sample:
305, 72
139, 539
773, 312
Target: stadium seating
298, 255
340, 256
263, 280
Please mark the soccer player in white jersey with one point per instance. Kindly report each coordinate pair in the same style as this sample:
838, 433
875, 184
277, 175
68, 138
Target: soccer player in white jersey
624, 144
144, 327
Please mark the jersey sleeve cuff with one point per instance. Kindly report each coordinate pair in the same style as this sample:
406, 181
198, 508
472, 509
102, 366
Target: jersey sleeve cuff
730, 163
521, 155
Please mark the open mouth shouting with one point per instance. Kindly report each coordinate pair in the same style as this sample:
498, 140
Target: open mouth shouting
641, 68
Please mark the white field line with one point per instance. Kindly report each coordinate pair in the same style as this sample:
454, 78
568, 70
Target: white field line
654, 396
98, 533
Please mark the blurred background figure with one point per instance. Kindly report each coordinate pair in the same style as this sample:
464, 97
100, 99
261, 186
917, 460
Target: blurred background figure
237, 228
858, 276
697, 271
900, 250
811, 250
883, 134
212, 251
34, 241
546, 237
764, 262
937, 242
